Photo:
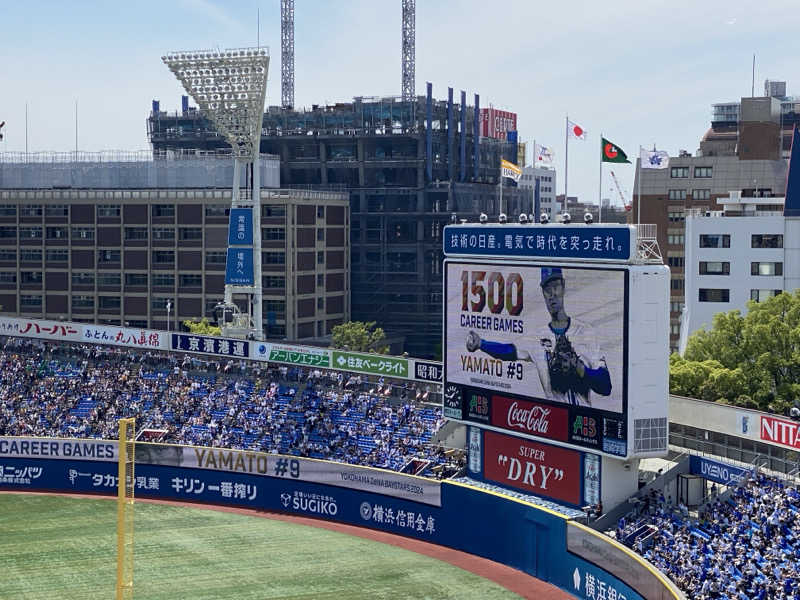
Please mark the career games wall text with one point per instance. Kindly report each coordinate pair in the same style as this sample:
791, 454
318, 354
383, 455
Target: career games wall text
552, 335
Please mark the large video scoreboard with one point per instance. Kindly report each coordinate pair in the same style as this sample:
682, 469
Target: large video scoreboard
557, 333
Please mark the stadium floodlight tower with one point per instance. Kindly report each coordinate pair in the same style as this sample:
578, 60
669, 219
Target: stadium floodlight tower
230, 88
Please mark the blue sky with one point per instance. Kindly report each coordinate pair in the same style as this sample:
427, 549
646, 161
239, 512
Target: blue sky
639, 72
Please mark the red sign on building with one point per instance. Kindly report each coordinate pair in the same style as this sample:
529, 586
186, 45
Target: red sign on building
530, 418
532, 467
496, 123
780, 431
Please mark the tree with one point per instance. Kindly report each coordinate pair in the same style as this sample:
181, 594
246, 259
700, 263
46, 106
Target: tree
202, 327
359, 336
751, 361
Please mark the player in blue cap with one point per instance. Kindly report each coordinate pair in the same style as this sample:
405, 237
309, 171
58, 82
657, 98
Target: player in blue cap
568, 357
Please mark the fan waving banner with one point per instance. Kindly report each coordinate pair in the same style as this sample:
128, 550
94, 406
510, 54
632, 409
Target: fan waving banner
655, 159
510, 170
613, 153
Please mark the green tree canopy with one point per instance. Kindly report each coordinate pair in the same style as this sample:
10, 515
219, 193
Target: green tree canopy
360, 337
751, 361
202, 327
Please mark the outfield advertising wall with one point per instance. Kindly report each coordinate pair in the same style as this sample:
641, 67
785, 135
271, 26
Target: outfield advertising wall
528, 538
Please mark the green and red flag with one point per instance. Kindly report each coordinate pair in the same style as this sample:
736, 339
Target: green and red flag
613, 153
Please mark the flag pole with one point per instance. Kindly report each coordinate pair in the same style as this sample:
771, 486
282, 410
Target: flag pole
600, 195
566, 162
501, 183
639, 191
535, 163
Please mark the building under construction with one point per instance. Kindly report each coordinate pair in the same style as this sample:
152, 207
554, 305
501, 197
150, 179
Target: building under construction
410, 167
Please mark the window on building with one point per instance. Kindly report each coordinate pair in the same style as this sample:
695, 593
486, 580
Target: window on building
320, 303
766, 268
218, 210
163, 233
722, 240
56, 210
30, 302
56, 255
190, 280
135, 233
715, 268
163, 210
210, 305
108, 256
274, 258
30, 210
320, 258
8, 233
109, 302
273, 211
714, 295
109, 279
163, 280
273, 234
675, 239
676, 307
8, 210
320, 280
767, 240
675, 261
677, 194
675, 329
8, 277
82, 233
30, 233
108, 210
676, 284
703, 172
163, 257
8, 255
30, 277
82, 301
82, 278
56, 233
320, 212
159, 303
190, 234
30, 255
136, 279
762, 295
679, 172
701, 194
215, 257
321, 234
272, 282
276, 306
676, 216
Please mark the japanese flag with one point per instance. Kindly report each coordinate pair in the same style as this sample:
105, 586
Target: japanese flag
575, 131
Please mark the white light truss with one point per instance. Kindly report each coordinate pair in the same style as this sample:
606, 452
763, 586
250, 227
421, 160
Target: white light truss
230, 88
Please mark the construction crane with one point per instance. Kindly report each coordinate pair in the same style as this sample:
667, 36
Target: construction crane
625, 203
409, 50
287, 54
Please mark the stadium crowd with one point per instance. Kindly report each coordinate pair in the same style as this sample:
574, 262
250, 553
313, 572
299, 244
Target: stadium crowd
57, 389
742, 545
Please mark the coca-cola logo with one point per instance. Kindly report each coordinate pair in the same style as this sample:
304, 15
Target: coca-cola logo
533, 420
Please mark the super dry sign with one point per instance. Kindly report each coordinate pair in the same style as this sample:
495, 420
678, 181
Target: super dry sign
534, 468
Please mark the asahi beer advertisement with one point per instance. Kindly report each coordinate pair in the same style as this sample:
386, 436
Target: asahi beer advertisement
539, 350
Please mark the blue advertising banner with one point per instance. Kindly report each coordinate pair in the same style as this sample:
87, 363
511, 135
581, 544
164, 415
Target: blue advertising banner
210, 345
240, 229
715, 470
513, 533
239, 267
540, 241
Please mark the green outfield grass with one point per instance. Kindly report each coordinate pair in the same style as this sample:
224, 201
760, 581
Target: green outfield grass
60, 548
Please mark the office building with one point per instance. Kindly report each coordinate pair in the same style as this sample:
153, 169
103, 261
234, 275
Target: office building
114, 238
547, 187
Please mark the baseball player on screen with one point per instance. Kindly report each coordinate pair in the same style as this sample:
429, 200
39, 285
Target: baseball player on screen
566, 353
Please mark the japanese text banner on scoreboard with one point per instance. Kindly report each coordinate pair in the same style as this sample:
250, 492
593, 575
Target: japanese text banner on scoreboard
538, 350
